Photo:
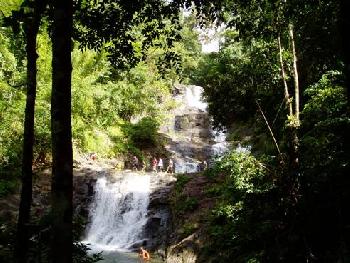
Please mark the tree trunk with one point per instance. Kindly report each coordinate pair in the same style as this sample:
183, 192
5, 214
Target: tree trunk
270, 130
62, 156
344, 25
21, 249
284, 78
292, 180
296, 78
294, 168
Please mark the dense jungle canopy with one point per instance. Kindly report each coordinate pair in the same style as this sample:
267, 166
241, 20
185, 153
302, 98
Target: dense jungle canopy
80, 77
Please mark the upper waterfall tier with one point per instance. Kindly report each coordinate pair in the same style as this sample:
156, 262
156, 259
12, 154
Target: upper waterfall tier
192, 139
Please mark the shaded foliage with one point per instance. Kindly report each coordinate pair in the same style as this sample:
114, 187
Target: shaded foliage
111, 22
325, 168
269, 226
244, 222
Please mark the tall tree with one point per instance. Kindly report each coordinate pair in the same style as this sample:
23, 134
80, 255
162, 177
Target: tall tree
31, 28
62, 153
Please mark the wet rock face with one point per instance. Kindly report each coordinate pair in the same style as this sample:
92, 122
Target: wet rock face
83, 194
84, 181
189, 247
184, 252
157, 226
197, 120
190, 135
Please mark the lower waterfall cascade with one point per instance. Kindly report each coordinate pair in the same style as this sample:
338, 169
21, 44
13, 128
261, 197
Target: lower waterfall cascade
118, 212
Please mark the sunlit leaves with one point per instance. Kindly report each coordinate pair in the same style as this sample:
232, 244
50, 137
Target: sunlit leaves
244, 170
12, 101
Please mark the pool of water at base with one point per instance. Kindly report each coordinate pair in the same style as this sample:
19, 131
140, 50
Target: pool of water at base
125, 257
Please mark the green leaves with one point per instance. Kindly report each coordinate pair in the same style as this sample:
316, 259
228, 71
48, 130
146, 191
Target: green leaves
113, 22
12, 102
144, 133
325, 124
241, 223
245, 172
236, 77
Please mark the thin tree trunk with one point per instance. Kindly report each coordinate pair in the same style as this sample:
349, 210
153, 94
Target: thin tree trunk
21, 249
270, 130
62, 156
296, 120
296, 77
292, 181
284, 78
344, 25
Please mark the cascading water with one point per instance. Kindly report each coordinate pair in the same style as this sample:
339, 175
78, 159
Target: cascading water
193, 140
220, 146
118, 212
121, 215
193, 96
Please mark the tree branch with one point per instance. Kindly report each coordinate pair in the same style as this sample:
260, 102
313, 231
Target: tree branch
286, 92
296, 77
271, 132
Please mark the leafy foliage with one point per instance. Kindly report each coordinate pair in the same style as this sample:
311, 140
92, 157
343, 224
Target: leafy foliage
11, 112
234, 80
96, 25
129, 56
144, 133
253, 220
241, 224
325, 166
105, 100
246, 173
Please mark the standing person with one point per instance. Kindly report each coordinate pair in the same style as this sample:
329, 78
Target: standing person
170, 167
154, 164
199, 167
144, 255
135, 162
160, 165
143, 165
93, 156
205, 165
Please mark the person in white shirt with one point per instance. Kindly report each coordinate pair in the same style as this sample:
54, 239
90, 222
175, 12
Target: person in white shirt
160, 165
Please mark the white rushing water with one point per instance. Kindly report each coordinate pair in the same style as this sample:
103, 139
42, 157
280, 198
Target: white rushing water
186, 166
118, 212
221, 146
194, 107
193, 96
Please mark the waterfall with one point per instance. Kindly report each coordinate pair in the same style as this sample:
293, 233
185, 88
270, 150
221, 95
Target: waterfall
118, 212
193, 139
221, 146
193, 96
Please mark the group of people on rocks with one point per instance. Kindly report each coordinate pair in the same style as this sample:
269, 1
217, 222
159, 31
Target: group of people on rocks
202, 166
157, 165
